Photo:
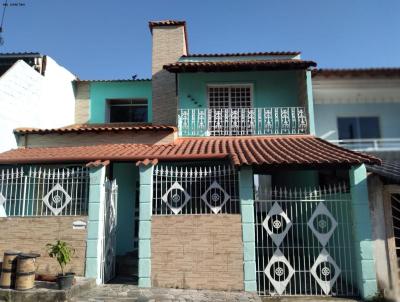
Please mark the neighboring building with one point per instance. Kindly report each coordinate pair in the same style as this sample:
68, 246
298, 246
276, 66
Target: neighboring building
110, 101
228, 187
359, 108
34, 91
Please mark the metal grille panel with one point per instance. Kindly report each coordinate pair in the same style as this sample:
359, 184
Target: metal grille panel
38, 191
192, 190
304, 243
395, 208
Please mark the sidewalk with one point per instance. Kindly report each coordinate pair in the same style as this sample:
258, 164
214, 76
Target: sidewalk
124, 292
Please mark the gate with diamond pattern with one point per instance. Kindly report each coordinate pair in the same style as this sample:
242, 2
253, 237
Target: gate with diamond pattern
304, 242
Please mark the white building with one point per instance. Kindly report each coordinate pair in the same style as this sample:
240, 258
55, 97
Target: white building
34, 92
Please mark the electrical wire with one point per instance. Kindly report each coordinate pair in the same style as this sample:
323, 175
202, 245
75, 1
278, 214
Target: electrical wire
2, 17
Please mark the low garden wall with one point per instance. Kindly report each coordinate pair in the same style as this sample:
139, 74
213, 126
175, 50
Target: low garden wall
197, 251
31, 234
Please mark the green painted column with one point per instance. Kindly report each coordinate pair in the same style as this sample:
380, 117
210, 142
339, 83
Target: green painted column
145, 201
248, 233
95, 222
310, 103
363, 243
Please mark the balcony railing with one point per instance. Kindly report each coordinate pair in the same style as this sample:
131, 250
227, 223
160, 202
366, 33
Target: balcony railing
242, 121
370, 144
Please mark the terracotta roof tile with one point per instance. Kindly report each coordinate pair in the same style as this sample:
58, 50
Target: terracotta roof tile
166, 23
247, 65
262, 150
244, 54
113, 80
357, 72
79, 128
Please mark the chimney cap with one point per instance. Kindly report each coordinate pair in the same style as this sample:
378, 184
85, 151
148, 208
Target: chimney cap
153, 24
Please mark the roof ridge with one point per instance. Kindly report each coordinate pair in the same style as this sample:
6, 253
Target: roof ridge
242, 54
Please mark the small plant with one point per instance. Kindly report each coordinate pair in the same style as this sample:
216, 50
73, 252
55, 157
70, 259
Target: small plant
62, 252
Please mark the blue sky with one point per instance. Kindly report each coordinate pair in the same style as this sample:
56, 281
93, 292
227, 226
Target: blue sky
111, 39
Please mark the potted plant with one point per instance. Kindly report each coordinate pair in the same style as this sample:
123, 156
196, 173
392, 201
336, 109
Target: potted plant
63, 254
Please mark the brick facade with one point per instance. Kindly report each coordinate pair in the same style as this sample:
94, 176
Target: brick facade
91, 139
82, 102
199, 252
31, 234
169, 45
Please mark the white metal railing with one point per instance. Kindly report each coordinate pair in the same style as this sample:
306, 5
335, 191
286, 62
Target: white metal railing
195, 190
242, 121
304, 242
38, 191
370, 144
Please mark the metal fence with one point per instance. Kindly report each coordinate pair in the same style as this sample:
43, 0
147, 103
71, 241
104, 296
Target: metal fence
242, 121
187, 190
38, 191
304, 242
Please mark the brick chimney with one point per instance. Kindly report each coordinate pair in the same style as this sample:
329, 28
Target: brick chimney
169, 44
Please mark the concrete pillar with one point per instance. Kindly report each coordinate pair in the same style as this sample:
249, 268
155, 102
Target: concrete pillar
248, 233
310, 103
95, 222
376, 204
145, 201
363, 242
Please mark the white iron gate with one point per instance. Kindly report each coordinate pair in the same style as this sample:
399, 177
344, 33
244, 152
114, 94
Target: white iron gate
304, 242
109, 234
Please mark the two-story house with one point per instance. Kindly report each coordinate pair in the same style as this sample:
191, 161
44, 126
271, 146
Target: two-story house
208, 176
34, 91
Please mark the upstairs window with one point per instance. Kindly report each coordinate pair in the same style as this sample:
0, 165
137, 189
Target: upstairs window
230, 96
358, 127
128, 111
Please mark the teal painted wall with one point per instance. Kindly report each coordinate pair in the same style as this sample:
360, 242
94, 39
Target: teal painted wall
362, 231
126, 175
298, 179
271, 88
101, 91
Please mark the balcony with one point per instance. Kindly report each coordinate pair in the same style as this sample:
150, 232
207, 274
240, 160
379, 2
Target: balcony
242, 121
370, 144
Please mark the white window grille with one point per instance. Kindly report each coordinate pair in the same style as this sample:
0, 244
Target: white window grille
38, 191
304, 242
228, 106
192, 190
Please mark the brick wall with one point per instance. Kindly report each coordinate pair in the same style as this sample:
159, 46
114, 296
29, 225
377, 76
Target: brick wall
32, 234
200, 252
169, 45
90, 139
82, 103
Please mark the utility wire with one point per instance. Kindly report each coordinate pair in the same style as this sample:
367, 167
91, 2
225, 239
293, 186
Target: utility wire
2, 17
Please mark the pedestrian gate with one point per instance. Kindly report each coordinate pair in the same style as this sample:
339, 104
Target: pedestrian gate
304, 242
109, 231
